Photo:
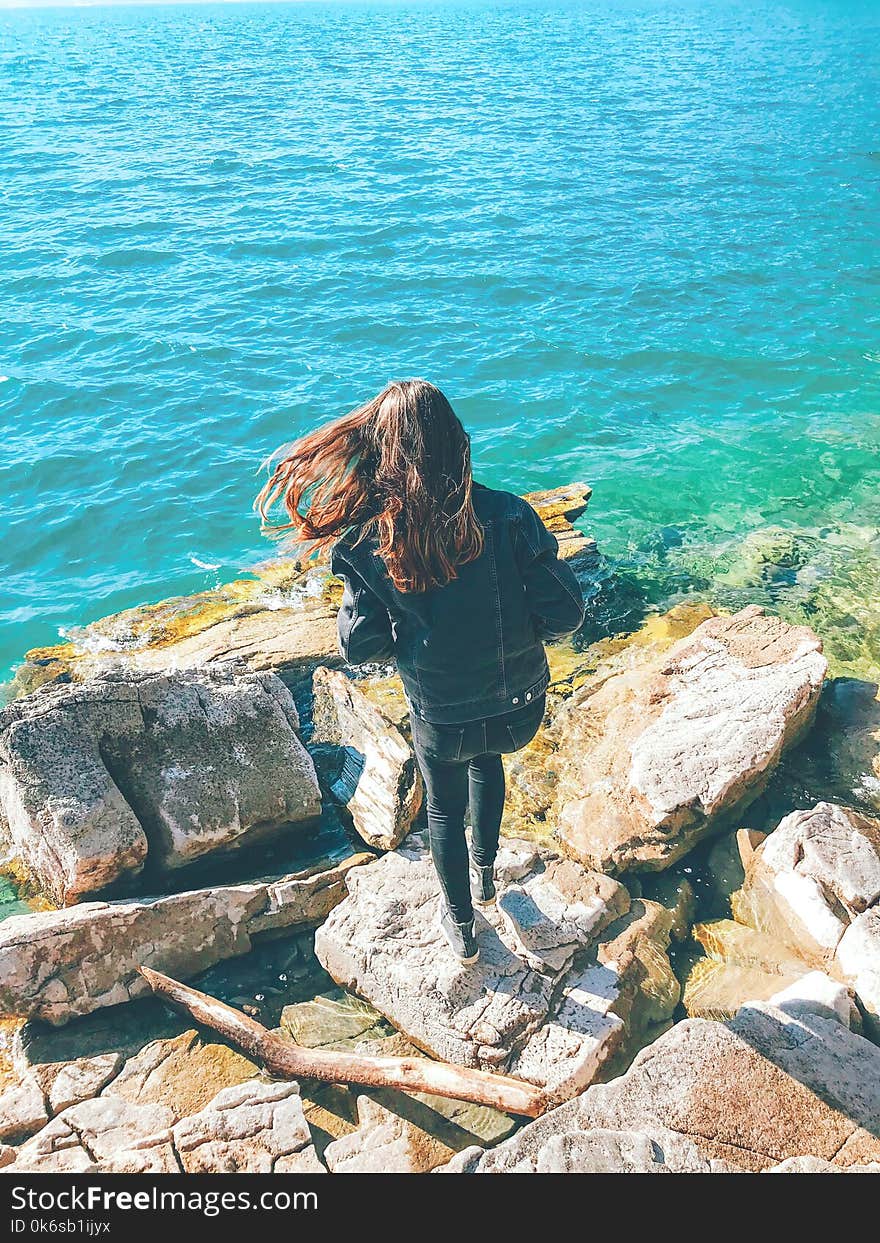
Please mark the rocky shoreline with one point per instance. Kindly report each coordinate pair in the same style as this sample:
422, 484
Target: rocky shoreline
685, 955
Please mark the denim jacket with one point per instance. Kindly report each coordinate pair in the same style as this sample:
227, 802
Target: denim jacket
473, 648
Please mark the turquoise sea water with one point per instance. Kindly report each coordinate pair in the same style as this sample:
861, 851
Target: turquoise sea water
635, 242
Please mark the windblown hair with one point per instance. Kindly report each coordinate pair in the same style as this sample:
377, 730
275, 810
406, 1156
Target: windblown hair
397, 470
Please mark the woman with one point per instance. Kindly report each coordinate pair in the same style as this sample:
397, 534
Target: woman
456, 582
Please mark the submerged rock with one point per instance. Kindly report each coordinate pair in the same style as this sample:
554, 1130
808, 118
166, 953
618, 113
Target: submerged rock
840, 761
547, 1000
333, 1022
406, 1132
59, 964
378, 780
96, 778
741, 965
764, 1088
653, 759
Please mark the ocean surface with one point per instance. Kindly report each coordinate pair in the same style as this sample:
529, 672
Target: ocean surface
636, 243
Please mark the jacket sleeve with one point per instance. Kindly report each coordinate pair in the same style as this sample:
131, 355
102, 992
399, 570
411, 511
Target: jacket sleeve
554, 595
363, 623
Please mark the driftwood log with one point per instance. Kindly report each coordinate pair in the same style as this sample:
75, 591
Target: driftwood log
288, 1060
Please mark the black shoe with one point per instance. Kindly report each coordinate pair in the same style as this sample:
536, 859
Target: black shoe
461, 937
483, 885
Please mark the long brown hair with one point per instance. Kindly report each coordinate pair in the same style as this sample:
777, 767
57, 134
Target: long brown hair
398, 470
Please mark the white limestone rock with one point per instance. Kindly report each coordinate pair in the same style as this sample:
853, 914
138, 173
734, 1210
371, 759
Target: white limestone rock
530, 1006
55, 965
96, 776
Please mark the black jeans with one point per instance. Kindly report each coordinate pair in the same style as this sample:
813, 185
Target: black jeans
461, 765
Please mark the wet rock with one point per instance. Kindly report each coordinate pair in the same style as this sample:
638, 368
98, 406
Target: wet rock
182, 1072
839, 761
747, 842
384, 1143
742, 965
22, 1109
59, 964
431, 1125
378, 780
282, 618
652, 760
751, 1093
636, 946
530, 1005
95, 777
676, 894
456, 1124
715, 989
533, 773
247, 1130
767, 555
328, 1022
558, 509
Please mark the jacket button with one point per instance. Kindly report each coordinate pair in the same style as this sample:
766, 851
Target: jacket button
515, 699
529, 695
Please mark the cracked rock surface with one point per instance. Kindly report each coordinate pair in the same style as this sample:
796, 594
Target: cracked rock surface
55, 965
255, 1127
538, 1004
96, 777
749, 1094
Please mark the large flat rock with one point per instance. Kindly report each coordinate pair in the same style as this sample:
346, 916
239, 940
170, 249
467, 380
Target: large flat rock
652, 759
55, 965
96, 777
766, 1087
539, 1004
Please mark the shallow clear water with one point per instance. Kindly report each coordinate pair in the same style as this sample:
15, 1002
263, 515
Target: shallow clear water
636, 242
